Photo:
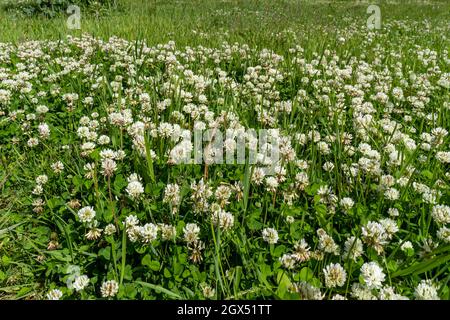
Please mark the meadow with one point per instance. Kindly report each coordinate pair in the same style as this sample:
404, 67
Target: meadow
101, 194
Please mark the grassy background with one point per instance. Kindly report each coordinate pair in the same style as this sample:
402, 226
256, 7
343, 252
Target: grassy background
193, 22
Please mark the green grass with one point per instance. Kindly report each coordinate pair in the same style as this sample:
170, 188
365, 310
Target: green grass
28, 269
250, 21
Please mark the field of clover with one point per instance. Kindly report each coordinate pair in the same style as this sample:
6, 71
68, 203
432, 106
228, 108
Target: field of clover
98, 205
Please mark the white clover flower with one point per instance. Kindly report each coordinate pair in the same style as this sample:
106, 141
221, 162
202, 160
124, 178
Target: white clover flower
397, 93
199, 125
443, 157
390, 226
94, 233
86, 214
44, 130
172, 194
107, 154
407, 245
327, 243
57, 167
426, 290
149, 232
328, 166
223, 219
338, 297
181, 152
403, 181
323, 147
374, 234
80, 282
134, 189
347, 203
288, 261
90, 170
258, 175
108, 167
393, 212
208, 291
42, 179
392, 194
307, 291
131, 221
191, 232
270, 235
272, 184
109, 288
361, 292
87, 148
353, 248
110, 229
134, 177
222, 194
430, 197
93, 124
301, 180
387, 181
335, 275
388, 293
38, 190
103, 140
441, 214
290, 219
168, 232
84, 120
301, 251
41, 109
54, 294
83, 132
119, 155
444, 234
134, 233
90, 101
32, 142
372, 274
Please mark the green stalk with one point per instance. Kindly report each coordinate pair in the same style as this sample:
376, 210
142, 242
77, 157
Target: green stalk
124, 253
149, 160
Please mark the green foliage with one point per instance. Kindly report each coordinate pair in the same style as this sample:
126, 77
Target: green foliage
45, 249
52, 8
